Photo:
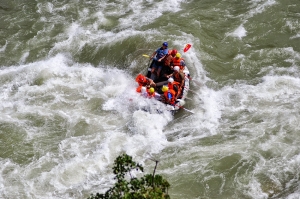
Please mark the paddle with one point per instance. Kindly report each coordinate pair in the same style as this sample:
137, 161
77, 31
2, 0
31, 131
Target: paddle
197, 82
187, 47
193, 91
184, 108
188, 98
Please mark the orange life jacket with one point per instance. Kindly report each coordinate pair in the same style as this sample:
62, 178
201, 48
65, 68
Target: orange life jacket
139, 89
150, 95
171, 85
177, 62
178, 79
169, 96
176, 87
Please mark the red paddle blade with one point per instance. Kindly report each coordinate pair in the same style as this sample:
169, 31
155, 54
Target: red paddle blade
187, 47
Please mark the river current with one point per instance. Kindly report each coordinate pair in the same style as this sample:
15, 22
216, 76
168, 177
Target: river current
68, 103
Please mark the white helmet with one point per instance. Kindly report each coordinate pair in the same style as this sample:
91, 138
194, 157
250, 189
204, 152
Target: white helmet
176, 68
143, 89
171, 80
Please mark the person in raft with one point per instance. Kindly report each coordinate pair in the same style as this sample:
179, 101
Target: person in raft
178, 61
167, 68
174, 86
157, 57
178, 76
143, 81
168, 96
148, 93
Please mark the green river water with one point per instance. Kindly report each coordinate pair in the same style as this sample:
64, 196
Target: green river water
68, 103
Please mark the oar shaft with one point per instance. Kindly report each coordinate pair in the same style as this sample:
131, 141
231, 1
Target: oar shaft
187, 110
184, 108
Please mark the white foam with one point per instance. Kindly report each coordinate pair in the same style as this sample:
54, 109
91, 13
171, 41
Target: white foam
239, 32
99, 115
257, 7
60, 92
24, 57
2, 49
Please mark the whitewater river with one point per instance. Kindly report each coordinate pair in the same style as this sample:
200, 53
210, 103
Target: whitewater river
68, 103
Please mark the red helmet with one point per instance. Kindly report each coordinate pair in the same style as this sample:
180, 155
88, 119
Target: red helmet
174, 51
140, 78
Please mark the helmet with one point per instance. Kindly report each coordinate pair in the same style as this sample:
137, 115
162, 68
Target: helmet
171, 80
164, 88
165, 44
178, 55
140, 78
174, 52
151, 90
143, 89
176, 68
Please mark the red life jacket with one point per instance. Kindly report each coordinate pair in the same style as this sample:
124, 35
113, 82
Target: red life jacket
142, 80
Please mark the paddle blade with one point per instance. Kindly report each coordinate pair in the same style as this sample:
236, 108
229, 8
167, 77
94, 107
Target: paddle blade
146, 55
187, 47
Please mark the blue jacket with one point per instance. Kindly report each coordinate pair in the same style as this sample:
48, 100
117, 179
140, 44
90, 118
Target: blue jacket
160, 53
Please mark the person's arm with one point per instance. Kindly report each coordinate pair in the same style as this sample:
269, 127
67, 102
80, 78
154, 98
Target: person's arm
168, 76
150, 82
154, 53
161, 58
165, 54
182, 79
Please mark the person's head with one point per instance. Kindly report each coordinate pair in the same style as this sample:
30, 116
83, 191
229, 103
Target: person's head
143, 89
165, 44
140, 78
151, 90
176, 68
170, 80
178, 55
174, 52
165, 89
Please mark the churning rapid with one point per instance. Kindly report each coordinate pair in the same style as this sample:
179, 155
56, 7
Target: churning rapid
69, 106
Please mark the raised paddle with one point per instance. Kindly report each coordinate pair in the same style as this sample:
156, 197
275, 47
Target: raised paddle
187, 47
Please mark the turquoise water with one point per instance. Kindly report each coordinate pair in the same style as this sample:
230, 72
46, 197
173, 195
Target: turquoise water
69, 107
